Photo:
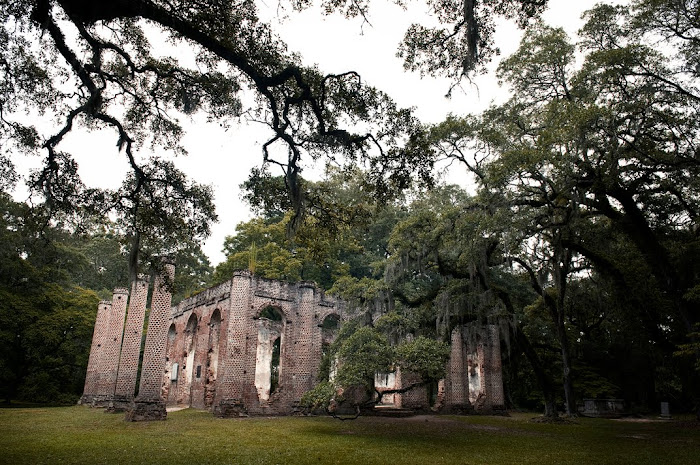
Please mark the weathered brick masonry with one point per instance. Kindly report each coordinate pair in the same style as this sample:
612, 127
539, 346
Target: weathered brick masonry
96, 350
254, 346
149, 404
131, 343
473, 380
251, 345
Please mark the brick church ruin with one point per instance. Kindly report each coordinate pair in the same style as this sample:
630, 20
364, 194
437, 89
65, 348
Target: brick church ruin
252, 346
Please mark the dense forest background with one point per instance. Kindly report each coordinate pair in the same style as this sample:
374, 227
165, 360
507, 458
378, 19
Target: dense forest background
415, 267
578, 232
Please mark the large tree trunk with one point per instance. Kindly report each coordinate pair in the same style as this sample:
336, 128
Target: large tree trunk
635, 225
569, 399
557, 309
134, 248
543, 378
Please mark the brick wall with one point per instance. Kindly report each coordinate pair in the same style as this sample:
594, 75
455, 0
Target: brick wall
214, 341
131, 345
109, 359
456, 382
96, 350
156, 338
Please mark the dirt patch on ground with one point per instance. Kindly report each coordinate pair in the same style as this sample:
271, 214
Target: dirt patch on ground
640, 420
176, 408
554, 420
692, 424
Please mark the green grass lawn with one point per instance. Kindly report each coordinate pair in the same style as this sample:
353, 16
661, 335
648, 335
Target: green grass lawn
80, 435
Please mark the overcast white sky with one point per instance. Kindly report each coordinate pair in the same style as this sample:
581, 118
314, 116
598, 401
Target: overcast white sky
224, 158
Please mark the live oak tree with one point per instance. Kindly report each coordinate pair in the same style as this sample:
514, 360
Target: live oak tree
161, 214
451, 264
88, 65
600, 157
45, 319
335, 237
98, 65
463, 40
92, 64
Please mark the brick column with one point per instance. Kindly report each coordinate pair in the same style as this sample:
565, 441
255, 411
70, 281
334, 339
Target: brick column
149, 404
416, 398
233, 373
456, 384
307, 349
493, 369
131, 345
96, 348
109, 360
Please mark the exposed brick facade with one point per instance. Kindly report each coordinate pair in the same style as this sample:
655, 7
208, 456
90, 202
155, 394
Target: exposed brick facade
232, 334
473, 380
254, 346
109, 358
456, 382
148, 404
131, 345
94, 366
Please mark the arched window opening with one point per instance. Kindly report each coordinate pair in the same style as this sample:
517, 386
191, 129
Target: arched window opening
433, 392
329, 328
268, 361
188, 362
212, 358
171, 366
474, 371
271, 313
275, 365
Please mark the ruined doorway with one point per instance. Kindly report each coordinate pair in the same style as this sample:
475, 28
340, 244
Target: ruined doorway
170, 377
475, 371
188, 360
268, 370
329, 330
212, 358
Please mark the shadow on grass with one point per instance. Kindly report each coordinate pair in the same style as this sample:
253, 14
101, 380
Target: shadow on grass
20, 404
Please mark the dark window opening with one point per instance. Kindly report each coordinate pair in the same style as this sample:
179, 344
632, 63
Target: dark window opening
432, 393
275, 366
271, 313
331, 322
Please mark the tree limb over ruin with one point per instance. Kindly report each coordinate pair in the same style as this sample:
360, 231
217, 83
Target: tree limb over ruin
120, 84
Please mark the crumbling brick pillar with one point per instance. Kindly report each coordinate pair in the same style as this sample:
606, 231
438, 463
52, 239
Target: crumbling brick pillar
109, 359
415, 398
307, 350
234, 373
96, 349
494, 369
456, 383
149, 404
489, 354
131, 345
